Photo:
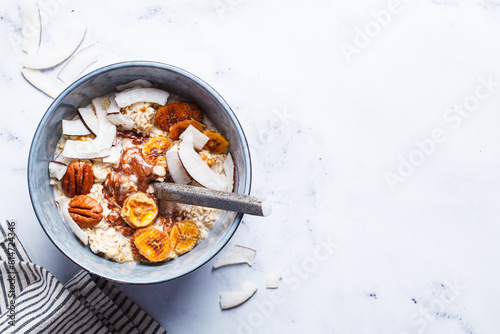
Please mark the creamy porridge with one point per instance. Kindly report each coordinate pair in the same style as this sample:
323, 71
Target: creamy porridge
108, 157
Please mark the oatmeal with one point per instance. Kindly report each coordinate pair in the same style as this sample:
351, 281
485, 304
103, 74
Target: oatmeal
107, 159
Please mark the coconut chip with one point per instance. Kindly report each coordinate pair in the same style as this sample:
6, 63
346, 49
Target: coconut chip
89, 119
273, 279
175, 167
57, 169
199, 139
229, 170
131, 96
78, 63
197, 168
50, 86
63, 203
114, 155
61, 52
74, 128
235, 298
32, 25
239, 254
101, 145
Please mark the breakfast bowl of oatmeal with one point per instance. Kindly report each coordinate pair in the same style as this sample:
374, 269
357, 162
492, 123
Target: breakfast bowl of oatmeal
102, 146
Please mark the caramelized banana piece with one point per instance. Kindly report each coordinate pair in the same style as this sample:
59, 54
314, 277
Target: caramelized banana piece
152, 243
153, 151
184, 236
175, 112
195, 112
217, 143
135, 251
170, 114
178, 128
139, 210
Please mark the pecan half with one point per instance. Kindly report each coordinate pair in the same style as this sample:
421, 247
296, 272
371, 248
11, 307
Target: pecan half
78, 180
85, 211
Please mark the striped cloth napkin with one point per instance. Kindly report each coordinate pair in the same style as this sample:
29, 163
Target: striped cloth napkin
34, 301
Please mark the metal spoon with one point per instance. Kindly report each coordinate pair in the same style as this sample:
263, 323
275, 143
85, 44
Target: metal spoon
213, 198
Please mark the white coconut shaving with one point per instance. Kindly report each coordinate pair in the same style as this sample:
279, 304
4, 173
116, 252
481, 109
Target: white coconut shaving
199, 139
63, 203
57, 169
197, 168
235, 298
229, 170
32, 25
74, 128
48, 85
239, 254
66, 47
273, 279
131, 96
175, 167
78, 63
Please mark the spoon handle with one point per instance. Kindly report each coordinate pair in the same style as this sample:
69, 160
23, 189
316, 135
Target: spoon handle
212, 198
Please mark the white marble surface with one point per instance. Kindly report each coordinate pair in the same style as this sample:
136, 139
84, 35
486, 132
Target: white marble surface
328, 114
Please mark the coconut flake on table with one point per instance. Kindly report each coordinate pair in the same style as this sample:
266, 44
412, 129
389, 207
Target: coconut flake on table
89, 119
133, 84
74, 128
63, 203
235, 298
32, 25
273, 279
229, 170
131, 96
66, 47
175, 167
239, 254
78, 63
197, 168
49, 85
57, 169
199, 139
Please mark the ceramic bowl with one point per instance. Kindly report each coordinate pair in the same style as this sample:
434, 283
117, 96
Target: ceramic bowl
104, 81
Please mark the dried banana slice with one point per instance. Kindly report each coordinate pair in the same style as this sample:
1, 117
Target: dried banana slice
152, 243
135, 251
184, 236
217, 143
195, 112
175, 112
178, 128
139, 210
153, 151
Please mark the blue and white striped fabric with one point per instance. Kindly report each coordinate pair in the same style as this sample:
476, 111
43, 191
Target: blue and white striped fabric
34, 301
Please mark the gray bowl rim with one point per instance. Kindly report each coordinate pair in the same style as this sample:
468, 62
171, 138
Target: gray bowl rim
143, 63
